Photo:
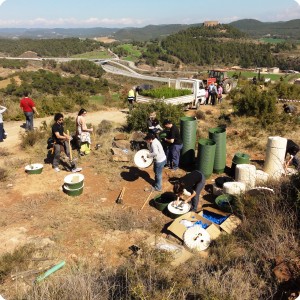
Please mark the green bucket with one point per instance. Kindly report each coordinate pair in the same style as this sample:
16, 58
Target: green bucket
225, 202
73, 192
206, 156
161, 201
239, 158
34, 169
74, 181
188, 128
218, 135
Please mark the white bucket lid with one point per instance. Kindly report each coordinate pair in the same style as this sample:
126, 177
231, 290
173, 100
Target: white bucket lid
141, 160
176, 210
196, 238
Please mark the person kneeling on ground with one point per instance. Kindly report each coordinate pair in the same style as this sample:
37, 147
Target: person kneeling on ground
294, 160
160, 159
61, 140
190, 187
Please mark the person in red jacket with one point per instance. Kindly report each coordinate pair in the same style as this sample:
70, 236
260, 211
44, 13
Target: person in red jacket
28, 107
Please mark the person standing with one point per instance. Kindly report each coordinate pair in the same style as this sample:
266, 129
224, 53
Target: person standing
131, 98
153, 124
220, 93
83, 133
61, 141
28, 107
2, 132
190, 187
159, 157
212, 89
174, 141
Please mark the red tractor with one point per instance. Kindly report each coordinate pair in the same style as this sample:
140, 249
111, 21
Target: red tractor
220, 76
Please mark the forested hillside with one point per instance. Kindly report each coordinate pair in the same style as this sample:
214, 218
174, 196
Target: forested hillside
221, 45
50, 47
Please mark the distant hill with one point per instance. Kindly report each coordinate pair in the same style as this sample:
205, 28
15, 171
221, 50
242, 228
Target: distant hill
149, 32
44, 33
256, 28
251, 27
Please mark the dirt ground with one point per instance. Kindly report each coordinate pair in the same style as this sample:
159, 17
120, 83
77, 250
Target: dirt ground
34, 208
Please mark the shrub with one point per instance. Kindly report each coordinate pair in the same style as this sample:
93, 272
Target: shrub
252, 102
200, 115
104, 127
137, 120
30, 138
18, 259
165, 92
3, 174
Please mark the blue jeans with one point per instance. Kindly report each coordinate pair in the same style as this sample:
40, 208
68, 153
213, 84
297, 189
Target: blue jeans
1, 132
158, 170
198, 189
174, 155
29, 120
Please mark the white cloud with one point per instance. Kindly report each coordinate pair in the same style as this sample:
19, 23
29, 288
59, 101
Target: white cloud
298, 1
1, 2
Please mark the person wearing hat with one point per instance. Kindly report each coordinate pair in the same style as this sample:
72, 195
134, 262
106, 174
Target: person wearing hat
159, 157
174, 141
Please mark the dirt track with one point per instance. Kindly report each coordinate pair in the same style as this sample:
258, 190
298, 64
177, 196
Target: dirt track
14, 128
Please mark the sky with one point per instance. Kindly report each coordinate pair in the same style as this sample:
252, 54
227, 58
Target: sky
139, 13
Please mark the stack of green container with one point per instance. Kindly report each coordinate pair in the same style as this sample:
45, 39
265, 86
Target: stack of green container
239, 158
188, 128
218, 135
206, 156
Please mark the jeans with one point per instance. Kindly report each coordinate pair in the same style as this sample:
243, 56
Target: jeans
158, 170
29, 120
1, 132
198, 189
174, 155
57, 150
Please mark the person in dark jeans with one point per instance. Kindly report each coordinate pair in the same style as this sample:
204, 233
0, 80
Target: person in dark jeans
2, 132
174, 141
29, 109
190, 187
61, 140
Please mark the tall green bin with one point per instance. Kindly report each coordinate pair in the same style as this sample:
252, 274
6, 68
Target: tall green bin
188, 128
218, 135
206, 156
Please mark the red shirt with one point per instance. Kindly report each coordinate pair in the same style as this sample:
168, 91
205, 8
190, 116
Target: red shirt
27, 104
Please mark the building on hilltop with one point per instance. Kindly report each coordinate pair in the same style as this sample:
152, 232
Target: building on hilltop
210, 23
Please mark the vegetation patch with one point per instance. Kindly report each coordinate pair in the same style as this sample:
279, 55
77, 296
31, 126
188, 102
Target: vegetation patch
165, 93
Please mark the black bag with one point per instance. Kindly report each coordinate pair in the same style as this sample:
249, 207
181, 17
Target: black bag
50, 143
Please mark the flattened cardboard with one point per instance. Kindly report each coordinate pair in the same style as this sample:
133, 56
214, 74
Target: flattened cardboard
180, 256
230, 224
179, 229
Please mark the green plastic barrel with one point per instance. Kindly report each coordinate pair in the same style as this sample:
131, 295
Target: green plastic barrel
188, 128
206, 156
218, 135
239, 158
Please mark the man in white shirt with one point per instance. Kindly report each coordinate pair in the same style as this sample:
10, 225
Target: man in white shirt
160, 159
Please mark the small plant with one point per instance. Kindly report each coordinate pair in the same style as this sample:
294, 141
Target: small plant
3, 174
104, 127
165, 92
30, 138
200, 115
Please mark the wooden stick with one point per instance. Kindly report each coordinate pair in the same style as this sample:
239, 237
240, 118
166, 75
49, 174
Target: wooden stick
147, 199
70, 148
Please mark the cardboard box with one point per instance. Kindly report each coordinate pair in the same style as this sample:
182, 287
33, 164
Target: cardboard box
179, 229
179, 252
229, 225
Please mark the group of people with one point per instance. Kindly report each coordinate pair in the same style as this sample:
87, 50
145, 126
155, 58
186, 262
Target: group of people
166, 153
62, 139
213, 94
